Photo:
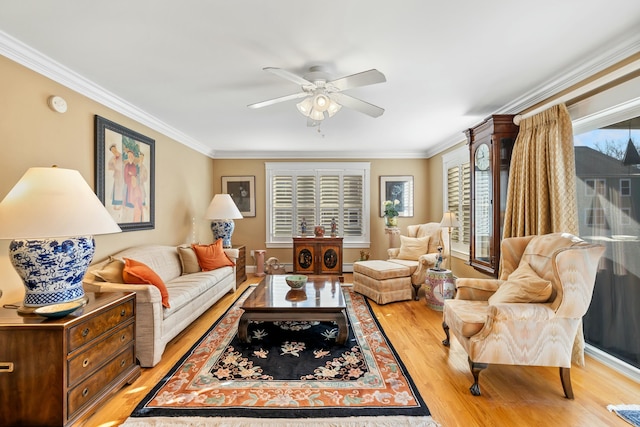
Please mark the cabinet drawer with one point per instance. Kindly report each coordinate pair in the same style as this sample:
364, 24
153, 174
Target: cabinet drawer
96, 326
91, 359
84, 392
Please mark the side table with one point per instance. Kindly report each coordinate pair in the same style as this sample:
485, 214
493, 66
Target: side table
440, 285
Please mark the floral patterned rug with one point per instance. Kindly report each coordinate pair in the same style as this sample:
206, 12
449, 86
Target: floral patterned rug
289, 370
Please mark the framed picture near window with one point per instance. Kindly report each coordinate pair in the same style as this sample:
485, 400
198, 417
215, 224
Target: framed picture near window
242, 190
125, 174
398, 188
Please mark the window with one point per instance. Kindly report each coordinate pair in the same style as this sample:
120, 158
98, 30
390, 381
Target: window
595, 217
625, 216
316, 193
595, 186
625, 187
457, 197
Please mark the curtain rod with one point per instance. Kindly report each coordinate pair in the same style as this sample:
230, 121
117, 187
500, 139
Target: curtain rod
569, 98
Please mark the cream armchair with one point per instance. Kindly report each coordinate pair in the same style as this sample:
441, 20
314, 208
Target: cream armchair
419, 250
532, 313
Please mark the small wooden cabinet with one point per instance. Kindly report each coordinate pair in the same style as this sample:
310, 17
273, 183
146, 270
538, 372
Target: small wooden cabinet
317, 255
56, 372
491, 144
241, 264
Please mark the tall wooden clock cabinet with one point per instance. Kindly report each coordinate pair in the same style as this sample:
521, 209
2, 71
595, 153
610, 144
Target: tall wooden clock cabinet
491, 144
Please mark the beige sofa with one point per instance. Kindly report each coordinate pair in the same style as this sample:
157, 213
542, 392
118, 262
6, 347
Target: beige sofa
190, 295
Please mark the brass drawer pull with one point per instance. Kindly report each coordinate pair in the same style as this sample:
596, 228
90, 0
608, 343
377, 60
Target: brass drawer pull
85, 363
85, 332
85, 392
123, 312
123, 362
123, 337
6, 367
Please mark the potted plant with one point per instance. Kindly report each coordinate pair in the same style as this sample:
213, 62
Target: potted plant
391, 213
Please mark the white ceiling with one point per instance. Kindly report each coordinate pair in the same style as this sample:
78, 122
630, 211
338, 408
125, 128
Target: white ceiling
189, 68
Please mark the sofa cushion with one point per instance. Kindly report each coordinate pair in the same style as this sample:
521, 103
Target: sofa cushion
111, 271
138, 273
211, 257
188, 260
185, 289
412, 247
522, 286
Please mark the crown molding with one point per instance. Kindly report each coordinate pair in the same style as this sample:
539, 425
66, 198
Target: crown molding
608, 56
48, 67
223, 154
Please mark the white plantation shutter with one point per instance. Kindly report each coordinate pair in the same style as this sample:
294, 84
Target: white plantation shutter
319, 193
457, 191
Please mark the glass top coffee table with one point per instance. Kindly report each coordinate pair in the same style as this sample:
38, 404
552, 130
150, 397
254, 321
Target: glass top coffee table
273, 300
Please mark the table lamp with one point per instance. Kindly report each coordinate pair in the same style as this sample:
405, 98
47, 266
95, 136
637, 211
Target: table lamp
449, 221
52, 214
222, 211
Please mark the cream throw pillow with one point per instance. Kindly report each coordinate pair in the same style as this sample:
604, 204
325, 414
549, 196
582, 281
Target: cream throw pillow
188, 260
412, 247
112, 271
523, 285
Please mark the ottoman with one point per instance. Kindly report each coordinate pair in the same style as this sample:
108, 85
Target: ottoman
382, 281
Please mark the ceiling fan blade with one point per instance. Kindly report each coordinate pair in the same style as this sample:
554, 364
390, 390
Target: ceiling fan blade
357, 104
287, 75
360, 79
276, 100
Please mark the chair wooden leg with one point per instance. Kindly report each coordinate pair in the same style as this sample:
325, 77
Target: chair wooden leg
565, 377
475, 371
446, 332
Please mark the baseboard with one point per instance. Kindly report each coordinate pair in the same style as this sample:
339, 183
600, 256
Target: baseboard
613, 362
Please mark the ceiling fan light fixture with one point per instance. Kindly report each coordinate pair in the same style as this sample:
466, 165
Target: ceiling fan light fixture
316, 115
321, 102
334, 107
305, 106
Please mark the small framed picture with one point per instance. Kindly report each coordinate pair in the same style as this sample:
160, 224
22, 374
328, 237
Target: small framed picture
125, 174
398, 188
242, 190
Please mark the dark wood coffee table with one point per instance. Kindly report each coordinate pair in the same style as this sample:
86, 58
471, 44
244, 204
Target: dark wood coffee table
273, 300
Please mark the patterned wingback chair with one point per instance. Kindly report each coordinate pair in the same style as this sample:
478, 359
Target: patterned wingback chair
529, 315
419, 264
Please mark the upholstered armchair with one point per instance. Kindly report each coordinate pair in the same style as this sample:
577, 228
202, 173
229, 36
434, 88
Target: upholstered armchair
419, 250
531, 314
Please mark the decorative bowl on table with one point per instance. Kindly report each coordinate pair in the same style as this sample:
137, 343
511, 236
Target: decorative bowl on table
296, 281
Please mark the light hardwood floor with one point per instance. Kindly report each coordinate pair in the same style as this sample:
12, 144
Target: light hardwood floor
511, 396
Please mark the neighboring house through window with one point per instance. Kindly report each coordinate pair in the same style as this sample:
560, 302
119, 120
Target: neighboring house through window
317, 193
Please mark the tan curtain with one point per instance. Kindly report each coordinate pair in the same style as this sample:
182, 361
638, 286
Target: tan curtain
541, 195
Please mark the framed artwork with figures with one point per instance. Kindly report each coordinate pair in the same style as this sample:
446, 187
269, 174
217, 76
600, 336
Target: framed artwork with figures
125, 174
398, 188
242, 190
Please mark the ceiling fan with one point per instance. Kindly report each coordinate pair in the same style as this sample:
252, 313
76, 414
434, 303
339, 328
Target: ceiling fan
323, 97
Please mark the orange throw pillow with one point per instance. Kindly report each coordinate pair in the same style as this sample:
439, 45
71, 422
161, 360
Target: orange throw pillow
137, 273
212, 256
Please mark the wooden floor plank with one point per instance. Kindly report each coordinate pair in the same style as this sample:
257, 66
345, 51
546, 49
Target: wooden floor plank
511, 395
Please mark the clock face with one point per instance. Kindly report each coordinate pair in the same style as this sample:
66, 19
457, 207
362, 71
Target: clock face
482, 157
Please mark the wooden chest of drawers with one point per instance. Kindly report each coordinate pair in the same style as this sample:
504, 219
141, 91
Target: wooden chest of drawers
56, 372
241, 264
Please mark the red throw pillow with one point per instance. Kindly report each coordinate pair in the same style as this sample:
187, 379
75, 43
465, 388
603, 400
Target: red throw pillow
212, 256
137, 273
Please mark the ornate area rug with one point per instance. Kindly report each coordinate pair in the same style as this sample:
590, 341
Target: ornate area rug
629, 413
292, 373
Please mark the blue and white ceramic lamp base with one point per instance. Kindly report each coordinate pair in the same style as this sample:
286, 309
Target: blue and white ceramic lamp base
52, 269
223, 229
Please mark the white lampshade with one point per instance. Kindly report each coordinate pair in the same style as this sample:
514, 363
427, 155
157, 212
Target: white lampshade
305, 106
222, 207
449, 220
53, 202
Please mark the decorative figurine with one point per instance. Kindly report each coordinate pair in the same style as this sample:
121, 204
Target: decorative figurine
334, 227
439, 260
303, 226
319, 231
